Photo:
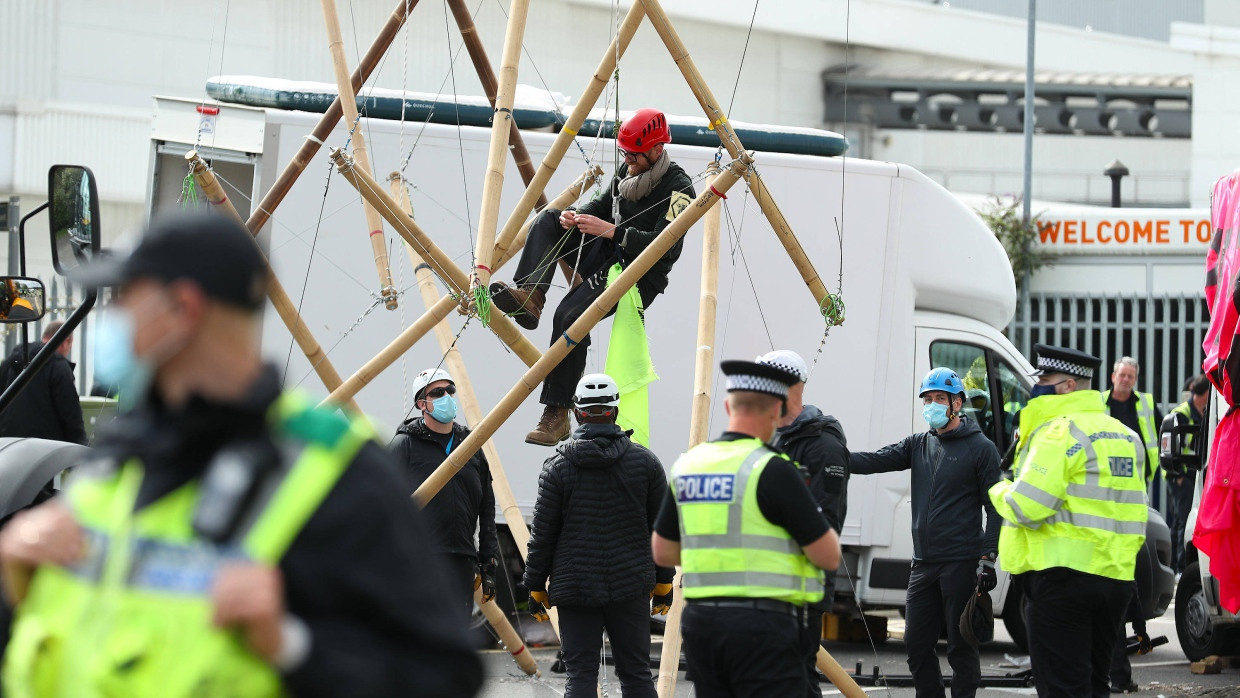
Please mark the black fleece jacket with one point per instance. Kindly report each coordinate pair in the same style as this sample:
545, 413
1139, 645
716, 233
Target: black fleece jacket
48, 408
597, 501
465, 504
641, 221
951, 476
358, 574
816, 441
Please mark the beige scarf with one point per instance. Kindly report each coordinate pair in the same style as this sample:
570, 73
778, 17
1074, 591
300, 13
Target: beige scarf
638, 187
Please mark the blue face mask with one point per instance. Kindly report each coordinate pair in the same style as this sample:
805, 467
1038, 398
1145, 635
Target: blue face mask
1040, 390
114, 359
443, 409
935, 415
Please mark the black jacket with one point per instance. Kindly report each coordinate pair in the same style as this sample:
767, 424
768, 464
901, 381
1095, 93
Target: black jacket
641, 221
48, 408
359, 574
465, 504
816, 441
951, 476
597, 501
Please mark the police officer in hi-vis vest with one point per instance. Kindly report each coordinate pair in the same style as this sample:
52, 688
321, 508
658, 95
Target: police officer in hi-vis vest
1074, 519
751, 543
231, 539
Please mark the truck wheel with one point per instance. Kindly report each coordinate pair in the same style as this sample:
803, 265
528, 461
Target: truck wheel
1014, 617
1198, 637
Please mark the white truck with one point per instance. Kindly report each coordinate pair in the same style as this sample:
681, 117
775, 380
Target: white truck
924, 281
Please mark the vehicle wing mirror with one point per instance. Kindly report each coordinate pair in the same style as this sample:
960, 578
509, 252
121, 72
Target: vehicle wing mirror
74, 202
22, 299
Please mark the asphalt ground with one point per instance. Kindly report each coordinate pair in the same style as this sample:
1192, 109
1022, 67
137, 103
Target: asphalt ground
1163, 672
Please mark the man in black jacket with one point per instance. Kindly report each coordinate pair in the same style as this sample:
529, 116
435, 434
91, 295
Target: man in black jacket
466, 503
646, 194
953, 467
597, 501
816, 442
48, 408
216, 460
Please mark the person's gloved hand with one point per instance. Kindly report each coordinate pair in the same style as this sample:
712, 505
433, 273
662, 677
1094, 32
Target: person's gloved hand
539, 601
661, 599
986, 576
1144, 645
485, 578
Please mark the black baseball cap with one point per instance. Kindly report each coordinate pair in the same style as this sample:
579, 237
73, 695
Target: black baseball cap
216, 253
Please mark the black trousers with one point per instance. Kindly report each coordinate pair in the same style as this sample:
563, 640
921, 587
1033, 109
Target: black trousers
1121, 668
937, 594
628, 627
1179, 502
744, 653
1072, 619
460, 571
546, 245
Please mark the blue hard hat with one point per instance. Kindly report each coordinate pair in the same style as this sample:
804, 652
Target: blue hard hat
943, 379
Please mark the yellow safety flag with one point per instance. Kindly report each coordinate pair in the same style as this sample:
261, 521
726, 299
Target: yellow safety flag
628, 362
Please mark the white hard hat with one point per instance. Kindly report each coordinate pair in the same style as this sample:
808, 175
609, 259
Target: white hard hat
786, 360
596, 389
427, 377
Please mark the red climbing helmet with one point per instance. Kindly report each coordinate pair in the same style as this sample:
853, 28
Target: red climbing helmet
642, 131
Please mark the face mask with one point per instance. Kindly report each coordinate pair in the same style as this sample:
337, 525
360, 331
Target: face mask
114, 358
443, 409
935, 415
1040, 390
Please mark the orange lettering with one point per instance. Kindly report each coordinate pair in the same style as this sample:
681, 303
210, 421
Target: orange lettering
1203, 231
1162, 229
1051, 231
1141, 231
1103, 225
1069, 232
1186, 225
1122, 231
1085, 239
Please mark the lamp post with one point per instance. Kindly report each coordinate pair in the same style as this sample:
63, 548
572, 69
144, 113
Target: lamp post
1116, 171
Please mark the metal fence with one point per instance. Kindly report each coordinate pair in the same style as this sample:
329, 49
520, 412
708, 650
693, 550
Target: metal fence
61, 299
1162, 332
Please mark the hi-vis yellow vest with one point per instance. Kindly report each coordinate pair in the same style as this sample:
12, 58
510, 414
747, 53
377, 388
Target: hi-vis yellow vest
1145, 421
132, 619
1078, 500
728, 548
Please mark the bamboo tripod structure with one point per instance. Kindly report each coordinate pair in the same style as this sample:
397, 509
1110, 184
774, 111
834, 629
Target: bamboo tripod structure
348, 101
275, 290
469, 403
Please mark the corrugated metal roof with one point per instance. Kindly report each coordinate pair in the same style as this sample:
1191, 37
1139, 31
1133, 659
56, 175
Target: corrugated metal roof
1005, 79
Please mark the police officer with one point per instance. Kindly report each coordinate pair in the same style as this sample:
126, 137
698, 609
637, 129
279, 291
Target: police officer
1177, 467
816, 442
467, 503
644, 197
952, 466
1074, 519
231, 539
751, 542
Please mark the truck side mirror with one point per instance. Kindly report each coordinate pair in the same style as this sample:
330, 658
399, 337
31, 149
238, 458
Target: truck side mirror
74, 202
21, 299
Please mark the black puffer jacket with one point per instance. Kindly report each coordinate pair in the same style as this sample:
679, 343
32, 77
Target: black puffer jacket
597, 501
48, 408
466, 503
816, 441
951, 476
641, 221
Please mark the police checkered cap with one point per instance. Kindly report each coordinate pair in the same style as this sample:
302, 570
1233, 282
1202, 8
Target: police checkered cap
754, 377
1064, 360
787, 360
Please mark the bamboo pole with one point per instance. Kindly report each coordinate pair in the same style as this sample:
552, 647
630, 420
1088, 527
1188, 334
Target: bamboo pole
503, 327
419, 328
486, 74
699, 422
275, 290
597, 310
719, 123
837, 676
507, 634
271, 200
348, 101
565, 137
501, 126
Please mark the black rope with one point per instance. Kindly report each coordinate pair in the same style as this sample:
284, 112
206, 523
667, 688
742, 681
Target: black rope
305, 282
743, 53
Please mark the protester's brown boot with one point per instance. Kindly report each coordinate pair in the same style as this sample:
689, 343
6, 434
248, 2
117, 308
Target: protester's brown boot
523, 303
552, 428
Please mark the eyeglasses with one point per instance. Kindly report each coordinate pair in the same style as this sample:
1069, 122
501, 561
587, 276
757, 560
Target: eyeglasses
436, 393
628, 156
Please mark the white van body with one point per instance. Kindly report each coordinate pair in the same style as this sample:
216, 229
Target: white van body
920, 269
